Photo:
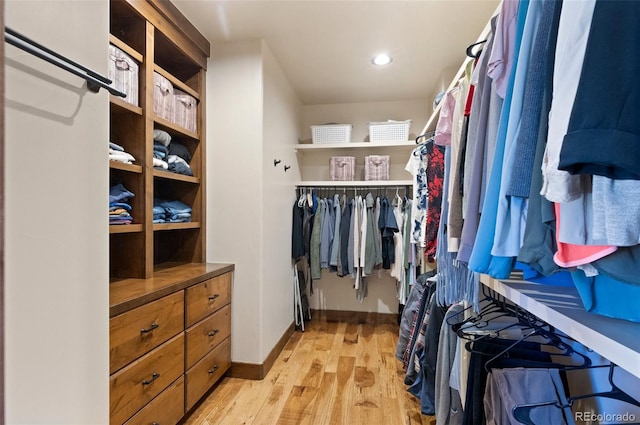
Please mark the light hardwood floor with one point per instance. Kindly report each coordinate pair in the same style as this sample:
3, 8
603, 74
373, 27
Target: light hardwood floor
333, 373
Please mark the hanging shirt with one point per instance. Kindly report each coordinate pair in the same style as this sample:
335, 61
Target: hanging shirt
397, 270
335, 247
575, 20
357, 224
388, 228
417, 167
481, 260
512, 211
315, 242
345, 229
328, 230
541, 64
572, 255
435, 179
442, 136
363, 235
475, 152
371, 247
351, 248
297, 235
503, 51
458, 130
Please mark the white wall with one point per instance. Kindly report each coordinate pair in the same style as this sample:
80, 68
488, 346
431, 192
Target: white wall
282, 114
234, 189
56, 247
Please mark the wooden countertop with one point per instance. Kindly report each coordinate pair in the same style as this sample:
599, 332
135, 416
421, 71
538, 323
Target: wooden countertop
127, 294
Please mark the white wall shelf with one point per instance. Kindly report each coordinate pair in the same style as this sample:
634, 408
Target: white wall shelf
354, 183
359, 148
374, 145
615, 339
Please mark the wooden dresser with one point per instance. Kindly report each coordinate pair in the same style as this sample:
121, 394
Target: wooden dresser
170, 341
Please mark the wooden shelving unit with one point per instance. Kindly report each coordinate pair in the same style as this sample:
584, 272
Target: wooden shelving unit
144, 31
158, 274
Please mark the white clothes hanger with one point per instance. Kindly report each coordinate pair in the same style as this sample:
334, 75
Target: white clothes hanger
310, 199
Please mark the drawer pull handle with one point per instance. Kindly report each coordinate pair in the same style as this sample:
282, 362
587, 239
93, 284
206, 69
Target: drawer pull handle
213, 297
155, 423
155, 376
152, 327
213, 370
214, 332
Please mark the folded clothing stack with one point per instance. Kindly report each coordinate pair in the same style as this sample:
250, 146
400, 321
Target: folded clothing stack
119, 207
171, 212
170, 155
117, 153
159, 216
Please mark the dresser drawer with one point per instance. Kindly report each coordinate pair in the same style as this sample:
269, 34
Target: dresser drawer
208, 333
207, 372
206, 297
138, 383
166, 409
135, 332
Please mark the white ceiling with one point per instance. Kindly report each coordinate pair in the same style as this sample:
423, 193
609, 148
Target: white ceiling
325, 47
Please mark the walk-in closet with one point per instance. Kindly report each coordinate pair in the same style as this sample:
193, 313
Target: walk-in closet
320, 212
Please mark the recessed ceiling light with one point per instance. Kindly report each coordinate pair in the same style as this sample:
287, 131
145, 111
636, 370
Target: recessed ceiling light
382, 59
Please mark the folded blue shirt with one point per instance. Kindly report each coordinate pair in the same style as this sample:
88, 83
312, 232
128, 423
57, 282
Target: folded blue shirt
174, 207
119, 193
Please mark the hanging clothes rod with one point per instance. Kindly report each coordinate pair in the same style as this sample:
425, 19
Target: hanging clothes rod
94, 80
357, 188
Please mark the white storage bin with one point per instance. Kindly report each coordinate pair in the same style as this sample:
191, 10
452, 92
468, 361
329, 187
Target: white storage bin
331, 133
185, 110
123, 72
162, 97
389, 131
342, 168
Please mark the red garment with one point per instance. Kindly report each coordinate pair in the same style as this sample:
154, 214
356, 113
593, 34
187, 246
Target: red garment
435, 180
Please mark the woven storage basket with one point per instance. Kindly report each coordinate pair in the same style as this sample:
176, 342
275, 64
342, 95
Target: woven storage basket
185, 110
123, 71
376, 167
163, 101
342, 168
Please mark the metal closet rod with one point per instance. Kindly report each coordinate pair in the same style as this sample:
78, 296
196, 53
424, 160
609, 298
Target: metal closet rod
357, 188
94, 80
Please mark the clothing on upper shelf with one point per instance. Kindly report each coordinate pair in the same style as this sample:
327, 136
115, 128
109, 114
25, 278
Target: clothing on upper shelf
178, 165
117, 153
162, 137
120, 156
119, 208
116, 147
176, 148
171, 211
174, 158
160, 151
158, 163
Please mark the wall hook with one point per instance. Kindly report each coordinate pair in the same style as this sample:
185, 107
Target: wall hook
286, 167
276, 162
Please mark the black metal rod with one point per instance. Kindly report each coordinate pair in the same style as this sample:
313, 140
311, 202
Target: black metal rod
57, 55
94, 80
